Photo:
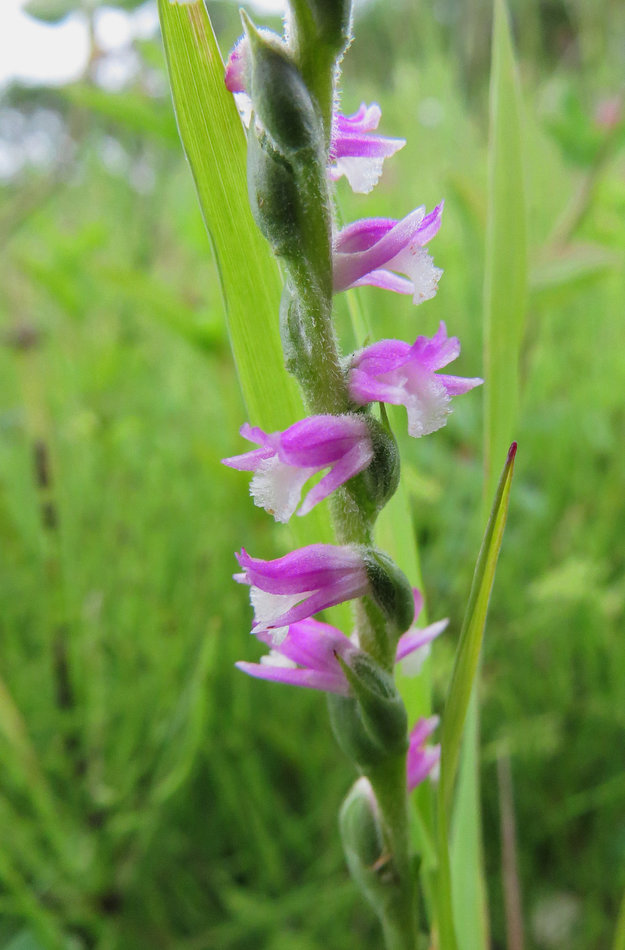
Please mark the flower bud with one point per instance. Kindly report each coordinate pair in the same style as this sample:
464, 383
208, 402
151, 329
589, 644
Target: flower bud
281, 100
390, 589
361, 833
370, 864
381, 478
371, 724
273, 195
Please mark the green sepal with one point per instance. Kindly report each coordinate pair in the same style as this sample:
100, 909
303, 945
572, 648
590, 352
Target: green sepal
372, 724
281, 99
381, 478
299, 356
361, 834
390, 589
273, 195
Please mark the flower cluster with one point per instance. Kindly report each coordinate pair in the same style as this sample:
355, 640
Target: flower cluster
341, 447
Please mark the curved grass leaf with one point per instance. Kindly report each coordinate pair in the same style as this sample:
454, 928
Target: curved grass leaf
505, 289
461, 686
214, 143
505, 282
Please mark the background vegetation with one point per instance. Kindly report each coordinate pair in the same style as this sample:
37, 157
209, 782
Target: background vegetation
150, 796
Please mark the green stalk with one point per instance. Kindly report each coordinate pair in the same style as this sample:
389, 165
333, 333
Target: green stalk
400, 922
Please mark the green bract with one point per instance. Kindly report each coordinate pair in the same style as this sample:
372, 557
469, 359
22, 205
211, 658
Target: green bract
282, 103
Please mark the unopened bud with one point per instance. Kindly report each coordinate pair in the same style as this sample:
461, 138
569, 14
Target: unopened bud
273, 195
382, 476
361, 833
371, 724
390, 589
281, 100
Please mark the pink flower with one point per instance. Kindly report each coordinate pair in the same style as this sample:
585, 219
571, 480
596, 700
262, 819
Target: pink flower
286, 460
422, 760
354, 150
305, 656
301, 583
305, 653
413, 647
370, 251
396, 372
358, 154
235, 75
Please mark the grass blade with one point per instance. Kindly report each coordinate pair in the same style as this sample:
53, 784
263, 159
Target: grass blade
461, 686
505, 284
214, 142
505, 289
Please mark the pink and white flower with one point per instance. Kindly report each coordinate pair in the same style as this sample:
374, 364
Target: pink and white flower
377, 251
300, 584
306, 655
356, 152
395, 372
286, 460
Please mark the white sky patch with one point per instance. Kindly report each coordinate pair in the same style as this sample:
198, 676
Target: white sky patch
39, 53
53, 54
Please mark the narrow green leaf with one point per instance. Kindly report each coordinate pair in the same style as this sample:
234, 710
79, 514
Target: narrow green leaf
460, 689
470, 643
466, 854
214, 142
505, 289
506, 255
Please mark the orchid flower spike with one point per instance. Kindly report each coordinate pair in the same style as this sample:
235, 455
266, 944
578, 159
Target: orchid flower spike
372, 250
396, 372
286, 460
422, 759
356, 152
301, 583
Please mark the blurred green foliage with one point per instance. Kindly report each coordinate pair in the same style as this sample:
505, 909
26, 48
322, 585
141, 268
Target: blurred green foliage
149, 795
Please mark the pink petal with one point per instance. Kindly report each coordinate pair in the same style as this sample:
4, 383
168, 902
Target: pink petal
351, 464
310, 679
417, 637
307, 569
